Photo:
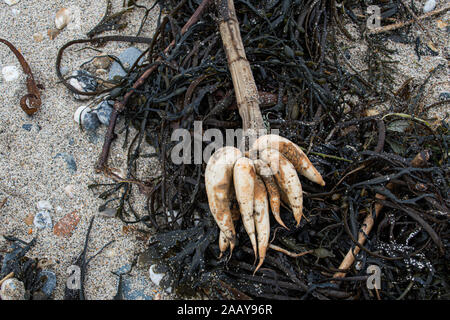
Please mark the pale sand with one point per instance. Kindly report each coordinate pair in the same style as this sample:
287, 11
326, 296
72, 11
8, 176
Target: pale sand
29, 171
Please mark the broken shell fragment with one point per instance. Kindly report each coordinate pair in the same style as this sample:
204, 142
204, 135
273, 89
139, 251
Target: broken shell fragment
262, 219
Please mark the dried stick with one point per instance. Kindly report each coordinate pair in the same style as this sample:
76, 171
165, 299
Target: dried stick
119, 106
407, 23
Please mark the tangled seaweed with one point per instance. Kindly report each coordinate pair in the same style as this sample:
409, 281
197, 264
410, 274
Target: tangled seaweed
311, 92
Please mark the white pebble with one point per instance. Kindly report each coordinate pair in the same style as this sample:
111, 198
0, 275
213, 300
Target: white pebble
429, 6
12, 289
68, 190
43, 220
155, 277
11, 2
63, 18
10, 73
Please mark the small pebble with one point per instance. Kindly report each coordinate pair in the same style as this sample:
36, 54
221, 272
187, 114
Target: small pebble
10, 73
155, 277
87, 118
133, 288
43, 220
29, 219
79, 114
90, 121
108, 213
64, 70
44, 205
101, 62
429, 6
84, 82
128, 58
50, 284
69, 191
70, 161
444, 96
11, 2
27, 126
66, 226
63, 18
53, 33
104, 111
12, 289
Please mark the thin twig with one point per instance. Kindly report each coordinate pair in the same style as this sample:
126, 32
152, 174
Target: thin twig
119, 106
407, 23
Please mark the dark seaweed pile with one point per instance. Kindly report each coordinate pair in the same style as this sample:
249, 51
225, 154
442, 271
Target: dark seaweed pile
317, 99
24, 268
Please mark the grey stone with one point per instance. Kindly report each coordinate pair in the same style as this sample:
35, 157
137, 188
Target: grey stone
50, 284
132, 288
104, 111
128, 58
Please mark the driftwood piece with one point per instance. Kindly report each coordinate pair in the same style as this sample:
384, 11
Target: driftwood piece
247, 96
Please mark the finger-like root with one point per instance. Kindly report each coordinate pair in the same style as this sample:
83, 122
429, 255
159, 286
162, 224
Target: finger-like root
264, 171
244, 176
218, 181
224, 243
262, 220
292, 152
287, 180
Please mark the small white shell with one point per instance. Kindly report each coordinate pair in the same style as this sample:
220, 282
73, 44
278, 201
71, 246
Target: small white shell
80, 113
63, 18
155, 277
